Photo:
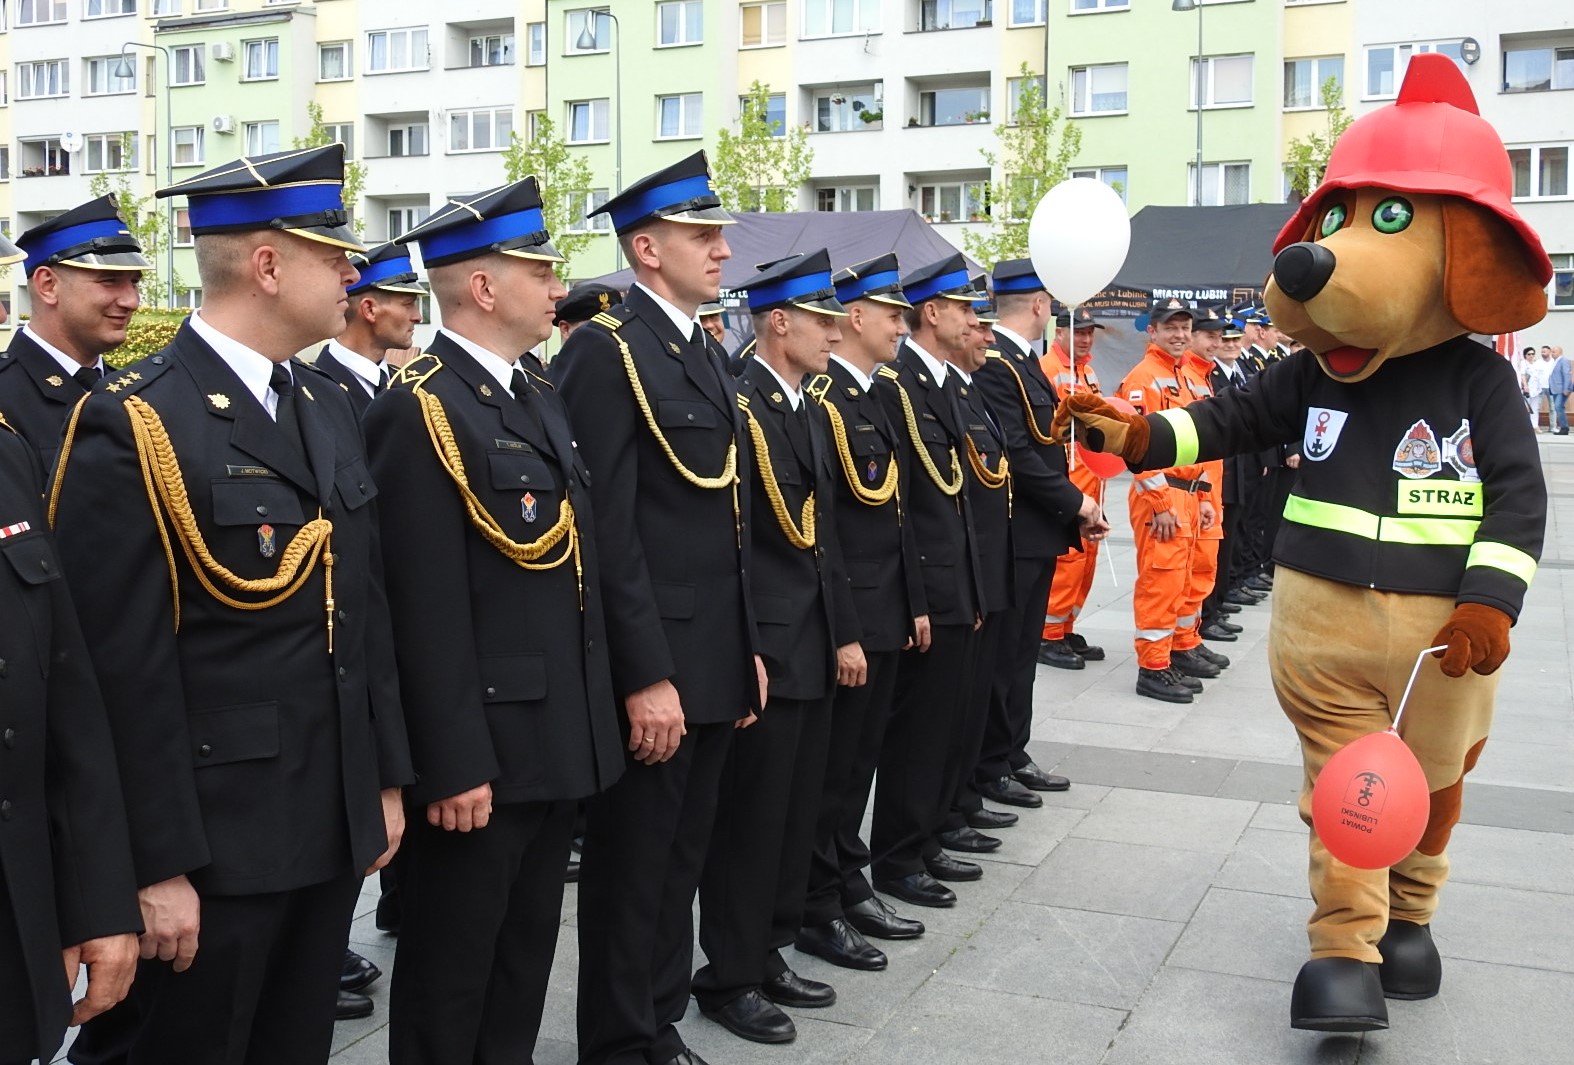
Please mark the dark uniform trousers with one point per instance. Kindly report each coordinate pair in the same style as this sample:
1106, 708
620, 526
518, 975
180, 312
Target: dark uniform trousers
506, 683
673, 563
251, 757
1241, 472
911, 802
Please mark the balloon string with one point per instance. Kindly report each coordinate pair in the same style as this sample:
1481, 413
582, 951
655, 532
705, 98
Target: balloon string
1110, 556
1404, 700
1071, 347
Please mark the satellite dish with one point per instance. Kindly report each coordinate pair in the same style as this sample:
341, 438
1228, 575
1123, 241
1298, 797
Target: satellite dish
71, 142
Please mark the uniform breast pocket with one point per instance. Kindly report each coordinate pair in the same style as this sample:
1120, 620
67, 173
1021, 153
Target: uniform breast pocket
256, 501
245, 732
685, 414
932, 432
520, 471
34, 562
354, 483
515, 678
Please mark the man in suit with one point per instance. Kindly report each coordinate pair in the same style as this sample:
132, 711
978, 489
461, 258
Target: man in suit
1240, 473
931, 686
659, 426
751, 894
218, 530
501, 647
67, 890
385, 308
82, 273
881, 557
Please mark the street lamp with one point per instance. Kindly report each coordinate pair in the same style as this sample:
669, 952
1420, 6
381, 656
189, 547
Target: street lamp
586, 42
1187, 5
126, 69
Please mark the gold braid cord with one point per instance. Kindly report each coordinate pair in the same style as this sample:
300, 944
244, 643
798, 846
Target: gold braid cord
525, 556
874, 497
986, 477
1027, 405
166, 490
800, 536
64, 456
954, 485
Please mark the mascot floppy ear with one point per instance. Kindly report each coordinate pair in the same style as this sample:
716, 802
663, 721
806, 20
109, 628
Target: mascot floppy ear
1488, 286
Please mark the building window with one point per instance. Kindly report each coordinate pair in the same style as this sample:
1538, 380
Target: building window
44, 158
1561, 292
262, 137
1304, 78
847, 198
103, 78
213, 5
678, 116
484, 130
959, 201
1386, 64
1027, 12
492, 50
1222, 81
762, 25
5, 89
775, 112
1113, 176
189, 298
262, 60
189, 63
680, 22
575, 23
108, 8
110, 152
953, 107
182, 228
343, 133
580, 204
587, 121
1014, 90
407, 140
829, 18
1098, 90
403, 219
333, 61
952, 14
1078, 6
844, 110
51, 77
1222, 183
536, 35
187, 145
166, 7
1541, 171
5, 175
1538, 69
391, 50
40, 12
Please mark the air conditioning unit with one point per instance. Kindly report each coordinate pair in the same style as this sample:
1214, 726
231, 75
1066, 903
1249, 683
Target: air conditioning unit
224, 52
223, 123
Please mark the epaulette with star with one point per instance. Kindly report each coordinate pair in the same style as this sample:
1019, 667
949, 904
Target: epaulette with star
415, 372
136, 376
818, 386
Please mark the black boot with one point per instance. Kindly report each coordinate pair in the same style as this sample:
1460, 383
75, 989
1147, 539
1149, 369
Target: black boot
1338, 995
1085, 650
1411, 967
1058, 653
1162, 684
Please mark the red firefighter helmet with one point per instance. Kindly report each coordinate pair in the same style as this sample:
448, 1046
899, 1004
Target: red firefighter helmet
1431, 139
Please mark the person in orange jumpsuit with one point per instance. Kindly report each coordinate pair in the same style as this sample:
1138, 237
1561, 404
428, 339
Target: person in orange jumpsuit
1166, 508
1068, 590
1187, 651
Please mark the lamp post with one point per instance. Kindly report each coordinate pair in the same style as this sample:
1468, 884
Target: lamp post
1187, 5
585, 42
126, 69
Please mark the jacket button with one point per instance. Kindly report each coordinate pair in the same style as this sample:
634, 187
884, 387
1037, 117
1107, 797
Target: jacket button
490, 692
158, 360
204, 751
5, 809
2, 667
343, 673
360, 486
43, 564
524, 478
10, 739
690, 417
262, 511
344, 615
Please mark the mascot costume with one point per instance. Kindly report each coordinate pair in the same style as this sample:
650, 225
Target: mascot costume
1419, 507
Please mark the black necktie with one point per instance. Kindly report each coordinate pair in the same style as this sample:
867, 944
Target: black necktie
283, 386
798, 431
87, 377
525, 396
382, 381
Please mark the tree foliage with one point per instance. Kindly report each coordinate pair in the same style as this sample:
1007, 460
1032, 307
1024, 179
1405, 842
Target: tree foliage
354, 173
1309, 155
151, 330
146, 217
1036, 150
565, 179
761, 167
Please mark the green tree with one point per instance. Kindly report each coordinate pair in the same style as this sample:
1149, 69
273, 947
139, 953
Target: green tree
1309, 154
565, 179
146, 217
354, 173
1035, 155
762, 166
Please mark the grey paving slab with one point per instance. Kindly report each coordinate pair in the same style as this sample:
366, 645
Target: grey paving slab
1279, 817
1191, 774
1505, 926
1109, 735
1224, 731
1098, 959
1538, 810
1535, 861
1264, 781
975, 901
1267, 861
1245, 933
1529, 764
1187, 822
1125, 878
869, 1000
1033, 836
819, 1042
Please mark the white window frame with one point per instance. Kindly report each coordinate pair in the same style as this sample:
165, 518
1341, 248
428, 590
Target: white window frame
580, 204
258, 132
346, 63
765, 8
845, 117
107, 64
946, 10
415, 39
1210, 77
1082, 95
101, 143
536, 44
126, 7
1097, 7
1106, 174
574, 24
164, 8
53, 150
401, 220
261, 46
1014, 87
505, 47
1220, 170
604, 110
343, 133
1318, 77
496, 118
683, 7
196, 141
196, 56
1557, 68
1041, 8
182, 228
5, 88
691, 116
927, 102
27, 77
1535, 171
213, 5
1560, 290
1403, 52
408, 129
865, 19
189, 298
28, 12
936, 189
841, 194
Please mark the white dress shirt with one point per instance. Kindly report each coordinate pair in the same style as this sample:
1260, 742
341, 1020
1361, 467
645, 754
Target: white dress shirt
936, 367
65, 362
367, 372
794, 395
680, 321
865, 382
254, 369
501, 369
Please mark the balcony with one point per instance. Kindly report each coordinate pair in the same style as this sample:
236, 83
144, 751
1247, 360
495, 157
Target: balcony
937, 15
1538, 62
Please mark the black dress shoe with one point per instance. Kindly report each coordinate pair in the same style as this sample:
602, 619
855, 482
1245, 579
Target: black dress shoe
1338, 995
944, 867
351, 1006
1240, 597
685, 1057
387, 919
358, 973
1007, 792
875, 918
571, 872
1084, 649
789, 989
840, 944
753, 1017
920, 889
1208, 654
1259, 584
1228, 607
969, 840
1230, 626
1162, 684
1216, 631
1411, 968
984, 817
1033, 778
1058, 653
1191, 664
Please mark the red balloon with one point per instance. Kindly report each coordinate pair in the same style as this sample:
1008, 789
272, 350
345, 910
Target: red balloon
1371, 802
1105, 466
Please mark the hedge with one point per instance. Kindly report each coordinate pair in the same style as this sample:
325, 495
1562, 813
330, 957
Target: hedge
152, 328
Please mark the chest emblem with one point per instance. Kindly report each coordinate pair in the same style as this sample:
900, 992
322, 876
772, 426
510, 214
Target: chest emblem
1418, 454
873, 470
1462, 453
55, 380
15, 530
527, 507
1323, 426
267, 541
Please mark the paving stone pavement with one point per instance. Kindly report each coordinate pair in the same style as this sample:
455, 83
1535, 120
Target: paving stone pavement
1154, 914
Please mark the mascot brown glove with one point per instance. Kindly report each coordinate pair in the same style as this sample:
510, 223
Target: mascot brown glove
1477, 638
1101, 427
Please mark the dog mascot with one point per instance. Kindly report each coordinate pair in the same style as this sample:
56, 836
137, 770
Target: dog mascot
1420, 504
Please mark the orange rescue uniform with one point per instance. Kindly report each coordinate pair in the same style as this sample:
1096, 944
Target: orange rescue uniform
1068, 590
1205, 557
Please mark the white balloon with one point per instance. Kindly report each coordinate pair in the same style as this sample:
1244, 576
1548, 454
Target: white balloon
1078, 239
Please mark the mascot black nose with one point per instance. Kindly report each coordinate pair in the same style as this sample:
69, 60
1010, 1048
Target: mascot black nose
1301, 270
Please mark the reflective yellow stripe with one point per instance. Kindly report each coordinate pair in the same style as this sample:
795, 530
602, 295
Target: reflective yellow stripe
1449, 532
1510, 560
1434, 532
1185, 431
1334, 516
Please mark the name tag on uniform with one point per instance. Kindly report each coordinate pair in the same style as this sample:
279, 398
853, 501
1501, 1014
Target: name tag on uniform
863, 428
250, 471
1463, 499
931, 417
513, 445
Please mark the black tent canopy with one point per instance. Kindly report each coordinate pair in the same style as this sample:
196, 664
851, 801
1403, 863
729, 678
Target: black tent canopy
1208, 254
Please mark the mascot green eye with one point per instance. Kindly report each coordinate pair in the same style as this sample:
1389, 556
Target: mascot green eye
1393, 215
1333, 219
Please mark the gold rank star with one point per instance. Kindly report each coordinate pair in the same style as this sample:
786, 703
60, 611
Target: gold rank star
55, 379
219, 400
486, 390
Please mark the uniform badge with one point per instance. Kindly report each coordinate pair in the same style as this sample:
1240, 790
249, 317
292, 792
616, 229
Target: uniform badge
219, 400
485, 390
15, 530
55, 379
308, 393
776, 397
605, 300
852, 393
1418, 454
874, 468
267, 543
675, 349
1323, 426
527, 507
1461, 453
